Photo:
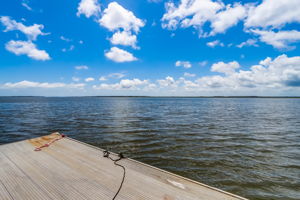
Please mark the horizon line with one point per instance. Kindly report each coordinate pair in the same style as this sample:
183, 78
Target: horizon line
143, 96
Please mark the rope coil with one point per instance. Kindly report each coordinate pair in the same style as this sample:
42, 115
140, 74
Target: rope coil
106, 154
49, 143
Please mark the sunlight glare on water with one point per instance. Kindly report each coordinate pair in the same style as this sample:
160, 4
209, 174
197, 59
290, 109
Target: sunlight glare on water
247, 146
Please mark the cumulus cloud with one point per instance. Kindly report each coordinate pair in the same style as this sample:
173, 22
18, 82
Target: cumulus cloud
116, 75
76, 79
273, 13
112, 76
115, 17
274, 75
198, 12
190, 13
263, 17
268, 77
125, 25
71, 48
65, 39
30, 84
167, 82
215, 43
226, 68
185, 64
32, 32
89, 79
186, 74
27, 48
124, 38
88, 8
227, 18
280, 39
127, 84
81, 67
154, 1
249, 42
102, 78
25, 5
278, 73
119, 55
203, 63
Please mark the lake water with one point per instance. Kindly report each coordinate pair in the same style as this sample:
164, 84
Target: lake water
247, 146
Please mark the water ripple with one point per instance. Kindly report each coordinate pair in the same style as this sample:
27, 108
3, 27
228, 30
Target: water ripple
246, 146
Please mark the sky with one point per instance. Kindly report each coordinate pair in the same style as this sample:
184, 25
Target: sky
150, 47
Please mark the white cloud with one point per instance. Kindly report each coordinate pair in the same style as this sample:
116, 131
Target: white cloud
186, 74
81, 67
249, 42
32, 32
65, 39
76, 79
215, 43
103, 78
30, 84
128, 84
274, 13
280, 39
25, 5
112, 76
124, 38
268, 77
154, 1
185, 64
226, 68
88, 8
116, 75
167, 82
27, 48
190, 13
198, 12
267, 15
278, 73
71, 48
203, 63
227, 18
115, 17
180, 84
89, 79
119, 55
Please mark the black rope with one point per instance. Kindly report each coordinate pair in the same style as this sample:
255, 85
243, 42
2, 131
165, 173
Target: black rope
106, 155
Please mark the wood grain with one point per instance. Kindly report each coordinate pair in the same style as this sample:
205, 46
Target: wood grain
69, 169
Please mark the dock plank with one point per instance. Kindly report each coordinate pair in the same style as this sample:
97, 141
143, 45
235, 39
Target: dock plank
17, 183
69, 169
42, 170
4, 194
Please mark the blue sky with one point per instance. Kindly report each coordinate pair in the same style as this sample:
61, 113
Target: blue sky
149, 47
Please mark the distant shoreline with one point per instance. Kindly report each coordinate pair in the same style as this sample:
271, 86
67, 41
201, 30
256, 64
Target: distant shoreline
258, 97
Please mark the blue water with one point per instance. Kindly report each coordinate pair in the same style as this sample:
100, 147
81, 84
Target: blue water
248, 146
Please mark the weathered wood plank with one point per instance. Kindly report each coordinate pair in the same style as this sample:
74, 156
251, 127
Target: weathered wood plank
43, 171
4, 194
69, 169
17, 183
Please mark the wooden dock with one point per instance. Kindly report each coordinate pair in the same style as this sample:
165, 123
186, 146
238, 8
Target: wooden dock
69, 169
